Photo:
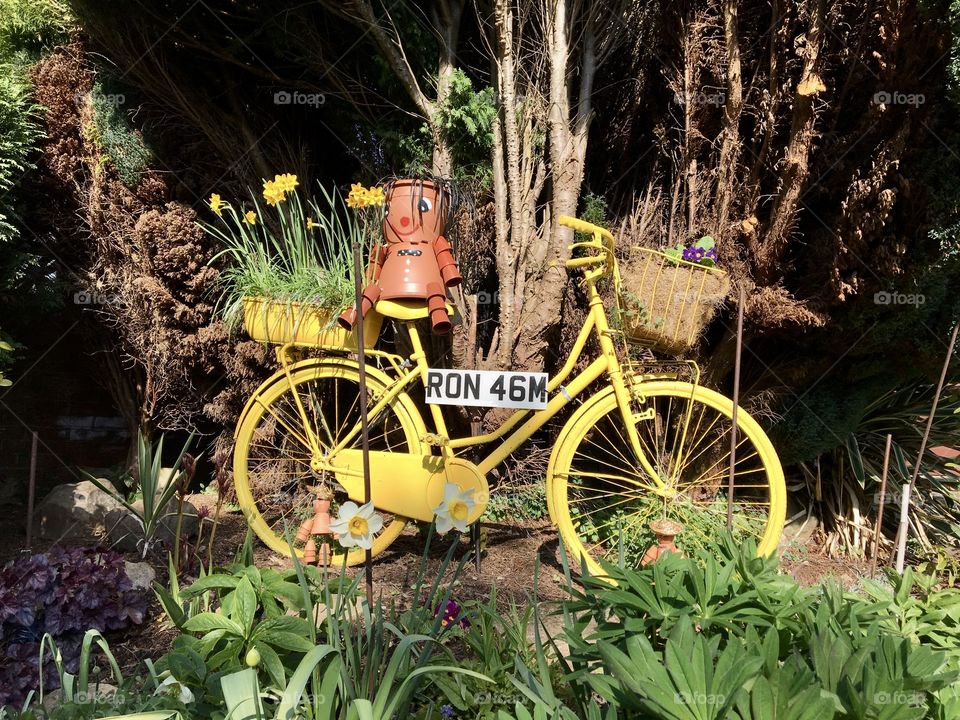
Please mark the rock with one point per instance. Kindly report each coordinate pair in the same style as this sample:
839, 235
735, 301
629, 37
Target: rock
799, 532
75, 511
164, 478
96, 692
141, 575
125, 531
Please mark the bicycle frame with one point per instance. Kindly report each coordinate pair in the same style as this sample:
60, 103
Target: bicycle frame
512, 432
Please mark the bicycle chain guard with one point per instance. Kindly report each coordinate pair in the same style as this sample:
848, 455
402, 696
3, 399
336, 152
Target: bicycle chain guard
407, 484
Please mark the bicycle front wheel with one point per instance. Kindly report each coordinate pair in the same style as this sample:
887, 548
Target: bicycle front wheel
272, 460
602, 499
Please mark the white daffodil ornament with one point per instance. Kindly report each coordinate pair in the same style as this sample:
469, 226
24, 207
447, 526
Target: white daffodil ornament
356, 525
455, 509
173, 687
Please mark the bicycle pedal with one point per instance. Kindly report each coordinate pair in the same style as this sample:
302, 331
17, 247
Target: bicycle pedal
435, 440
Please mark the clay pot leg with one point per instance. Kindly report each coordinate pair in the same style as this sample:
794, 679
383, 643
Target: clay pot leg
436, 304
371, 294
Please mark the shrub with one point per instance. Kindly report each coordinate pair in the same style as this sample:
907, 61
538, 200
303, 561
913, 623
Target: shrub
63, 592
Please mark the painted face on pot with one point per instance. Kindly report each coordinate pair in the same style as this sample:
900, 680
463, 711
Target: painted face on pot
415, 212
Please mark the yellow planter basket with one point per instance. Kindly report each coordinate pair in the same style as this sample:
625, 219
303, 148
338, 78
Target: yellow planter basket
665, 302
280, 323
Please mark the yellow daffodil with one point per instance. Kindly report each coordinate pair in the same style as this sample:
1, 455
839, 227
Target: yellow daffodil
357, 197
455, 509
216, 204
356, 525
272, 192
286, 182
375, 196
311, 224
250, 217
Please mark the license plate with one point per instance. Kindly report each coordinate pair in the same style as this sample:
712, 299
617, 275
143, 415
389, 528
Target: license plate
487, 388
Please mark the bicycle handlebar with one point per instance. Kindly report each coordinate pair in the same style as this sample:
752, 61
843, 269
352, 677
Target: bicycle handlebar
602, 240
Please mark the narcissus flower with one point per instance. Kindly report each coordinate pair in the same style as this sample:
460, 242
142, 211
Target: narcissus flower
455, 509
216, 204
250, 217
357, 197
375, 196
173, 687
286, 182
356, 525
272, 192
311, 224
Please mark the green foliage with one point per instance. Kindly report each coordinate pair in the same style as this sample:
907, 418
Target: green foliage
691, 638
522, 503
290, 253
465, 122
115, 135
30, 27
154, 499
19, 132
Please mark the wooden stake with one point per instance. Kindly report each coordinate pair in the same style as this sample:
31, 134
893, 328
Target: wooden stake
736, 403
364, 429
32, 489
908, 490
883, 500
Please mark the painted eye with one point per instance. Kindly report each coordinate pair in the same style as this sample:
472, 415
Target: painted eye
425, 205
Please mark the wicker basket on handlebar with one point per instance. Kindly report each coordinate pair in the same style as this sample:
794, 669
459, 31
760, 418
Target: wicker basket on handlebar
665, 303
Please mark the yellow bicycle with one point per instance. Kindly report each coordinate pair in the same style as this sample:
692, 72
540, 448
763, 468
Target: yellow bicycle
645, 441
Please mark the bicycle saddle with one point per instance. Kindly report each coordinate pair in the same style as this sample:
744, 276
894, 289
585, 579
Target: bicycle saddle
406, 309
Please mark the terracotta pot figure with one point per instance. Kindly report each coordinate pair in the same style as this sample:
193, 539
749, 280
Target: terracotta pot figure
666, 531
416, 263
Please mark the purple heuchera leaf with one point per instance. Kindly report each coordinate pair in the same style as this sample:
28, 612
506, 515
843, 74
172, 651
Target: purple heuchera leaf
64, 592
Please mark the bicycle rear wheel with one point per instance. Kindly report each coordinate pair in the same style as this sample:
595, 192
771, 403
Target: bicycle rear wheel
272, 456
602, 500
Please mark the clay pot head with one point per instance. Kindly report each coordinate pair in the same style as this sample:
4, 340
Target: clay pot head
416, 211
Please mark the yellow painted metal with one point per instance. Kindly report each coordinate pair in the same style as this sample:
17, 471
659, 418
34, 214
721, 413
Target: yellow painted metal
407, 484
405, 310
410, 484
282, 323
604, 402
280, 384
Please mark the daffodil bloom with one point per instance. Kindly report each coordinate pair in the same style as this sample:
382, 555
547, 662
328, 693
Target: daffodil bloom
455, 509
311, 224
272, 192
286, 182
172, 686
356, 526
250, 217
375, 196
357, 197
216, 204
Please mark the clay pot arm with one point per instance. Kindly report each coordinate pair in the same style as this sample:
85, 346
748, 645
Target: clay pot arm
445, 260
